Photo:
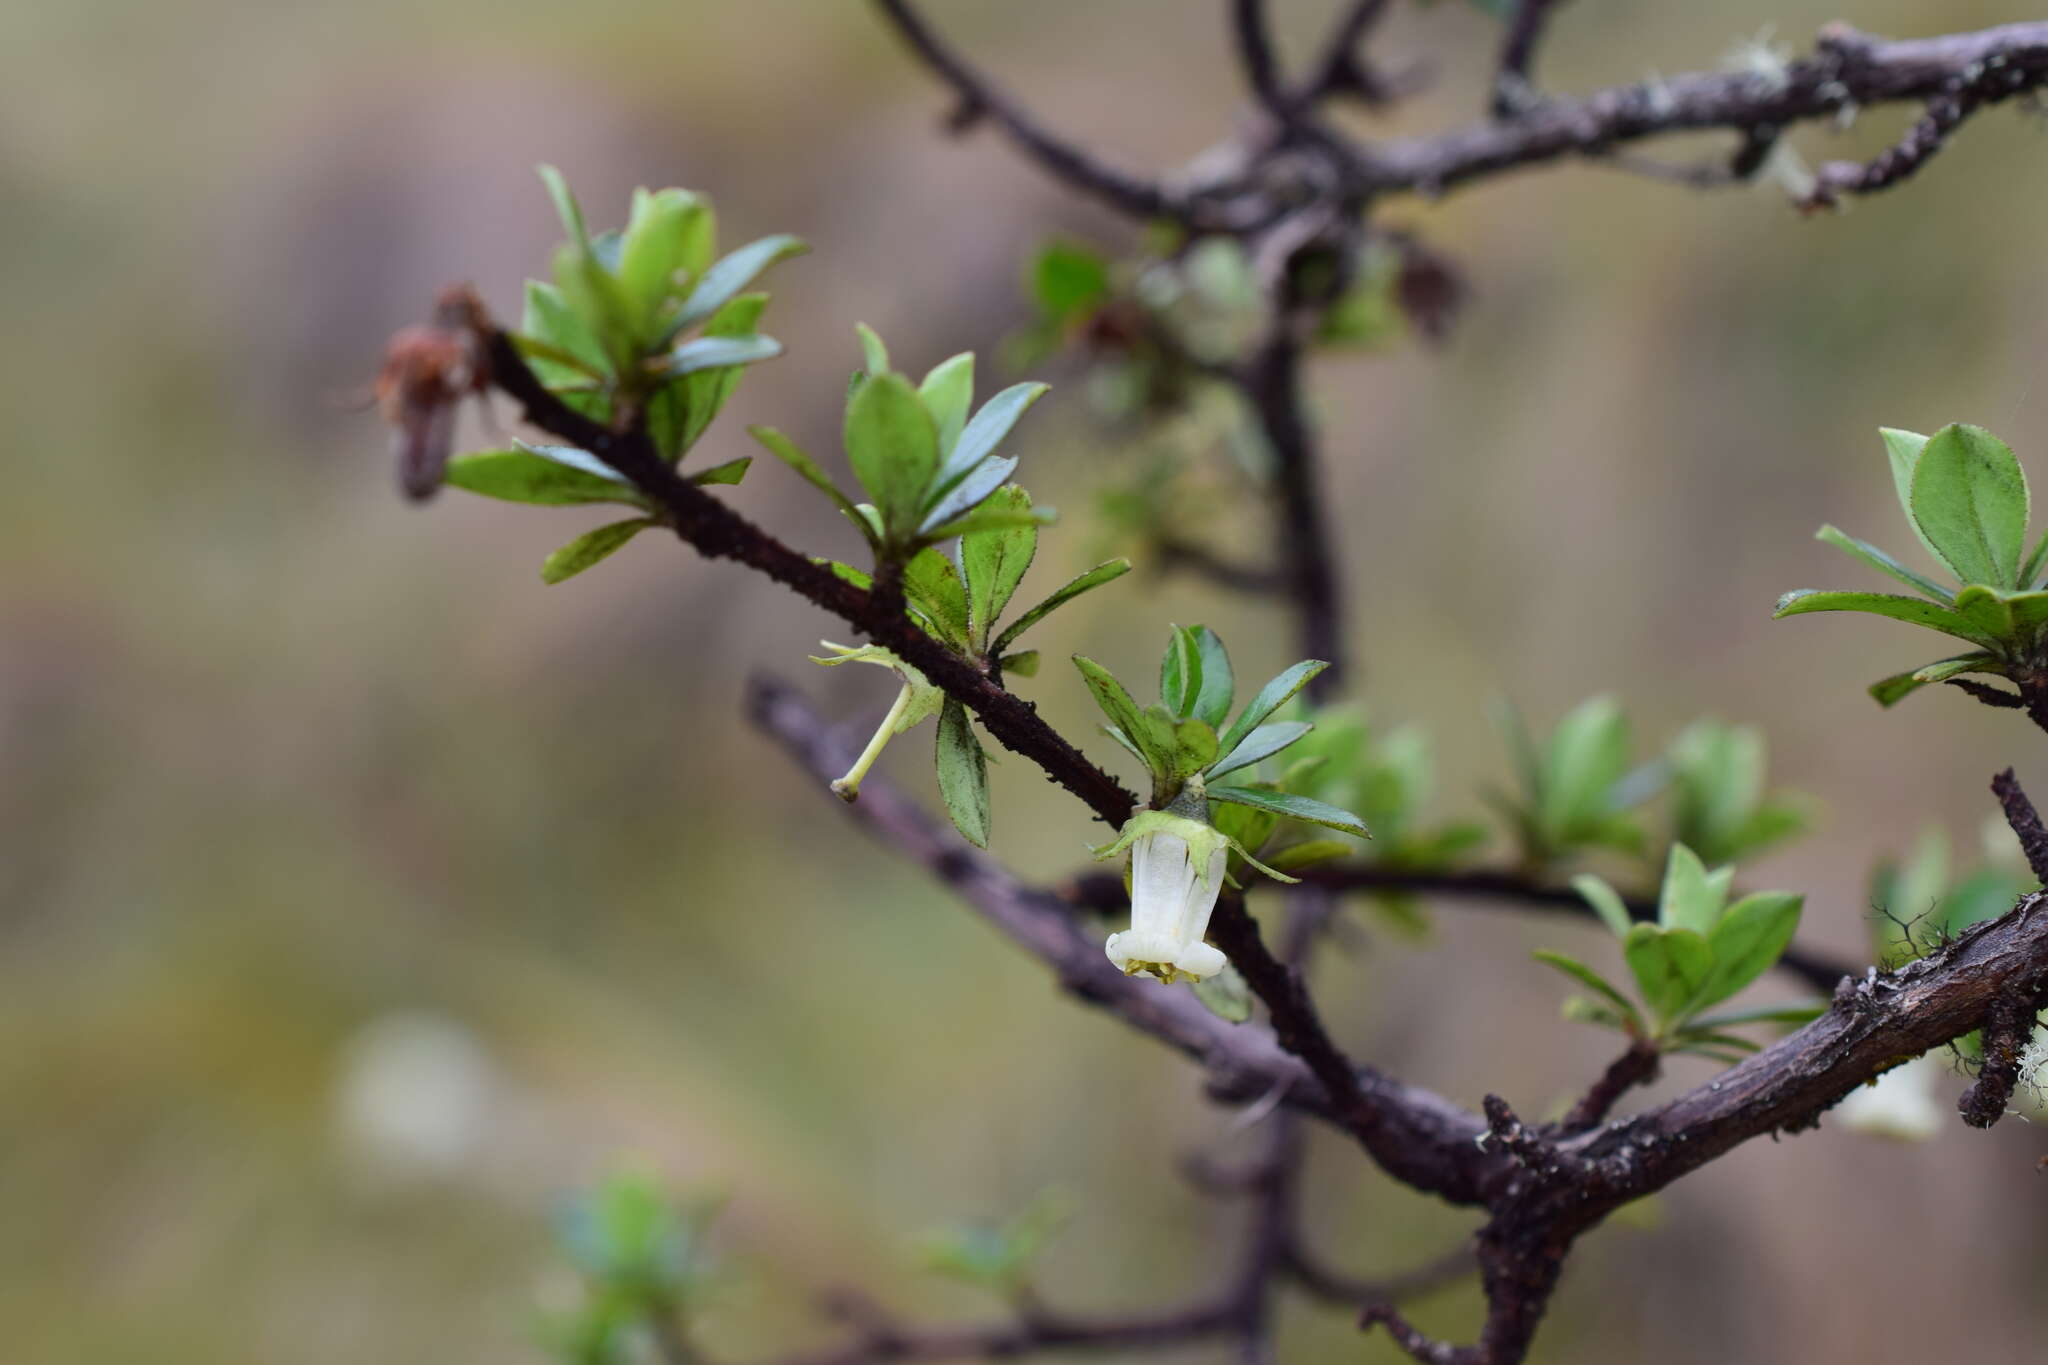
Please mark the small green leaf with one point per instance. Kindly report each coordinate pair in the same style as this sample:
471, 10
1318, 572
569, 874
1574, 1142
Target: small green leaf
978, 440
1023, 664
1669, 965
1969, 495
667, 239
720, 284
549, 320
989, 519
1180, 673
970, 493
1768, 1014
1225, 995
1884, 563
1102, 573
874, 355
732, 471
948, 393
1902, 448
1308, 853
1261, 744
715, 352
529, 477
1749, 939
994, 562
1275, 694
793, 455
1218, 686
589, 548
893, 447
963, 774
1123, 712
1910, 609
1592, 980
565, 205
1293, 807
933, 586
1606, 902
1691, 898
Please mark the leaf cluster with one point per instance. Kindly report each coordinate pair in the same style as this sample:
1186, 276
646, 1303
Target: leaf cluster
1965, 497
1700, 951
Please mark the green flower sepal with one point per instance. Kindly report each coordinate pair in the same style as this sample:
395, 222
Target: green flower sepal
919, 700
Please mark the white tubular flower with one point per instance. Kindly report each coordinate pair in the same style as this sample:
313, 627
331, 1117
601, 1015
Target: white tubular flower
1899, 1104
1178, 861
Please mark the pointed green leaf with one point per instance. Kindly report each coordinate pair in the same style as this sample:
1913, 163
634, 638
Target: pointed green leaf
1592, 980
1749, 939
893, 448
930, 581
1309, 853
1102, 573
1293, 807
948, 393
732, 471
1606, 902
1123, 712
1261, 744
1970, 498
735, 271
963, 774
976, 490
529, 477
1884, 563
1911, 609
1691, 899
874, 355
1275, 694
1768, 1014
1023, 664
1180, 673
714, 352
667, 239
549, 320
1902, 448
565, 205
1218, 687
1587, 755
978, 440
1669, 966
994, 562
794, 456
589, 548
988, 519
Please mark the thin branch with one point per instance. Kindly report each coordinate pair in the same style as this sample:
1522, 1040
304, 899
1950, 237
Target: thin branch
1342, 68
1261, 64
1067, 163
2025, 822
718, 532
1334, 1286
1637, 1066
1848, 70
2008, 1029
1513, 89
1271, 383
1921, 144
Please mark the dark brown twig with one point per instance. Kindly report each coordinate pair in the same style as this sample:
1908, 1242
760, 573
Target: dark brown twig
718, 532
1637, 1066
980, 98
2008, 1029
1513, 88
2025, 822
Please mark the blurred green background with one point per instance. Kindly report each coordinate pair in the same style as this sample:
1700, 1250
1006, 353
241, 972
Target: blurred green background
359, 896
